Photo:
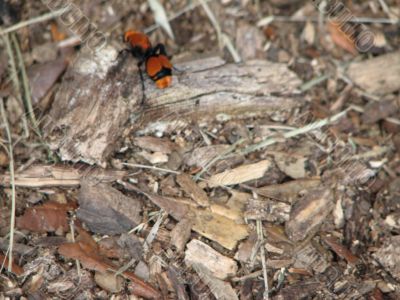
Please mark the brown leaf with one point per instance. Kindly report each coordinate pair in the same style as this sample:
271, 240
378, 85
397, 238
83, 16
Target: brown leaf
49, 217
17, 270
87, 252
340, 38
341, 250
43, 76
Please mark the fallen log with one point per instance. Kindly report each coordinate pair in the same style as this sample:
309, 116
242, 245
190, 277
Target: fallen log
99, 100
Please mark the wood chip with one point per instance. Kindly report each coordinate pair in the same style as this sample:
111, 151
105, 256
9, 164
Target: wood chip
267, 210
219, 228
240, 174
211, 225
218, 265
388, 256
192, 189
61, 176
155, 144
220, 289
106, 210
201, 156
293, 165
288, 191
181, 234
109, 281
309, 212
379, 75
310, 258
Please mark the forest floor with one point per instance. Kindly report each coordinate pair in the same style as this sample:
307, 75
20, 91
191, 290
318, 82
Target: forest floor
301, 201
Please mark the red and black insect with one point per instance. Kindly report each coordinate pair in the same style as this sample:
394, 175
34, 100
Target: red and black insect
157, 64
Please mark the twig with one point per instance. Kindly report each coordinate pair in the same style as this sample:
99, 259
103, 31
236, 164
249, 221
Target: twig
260, 238
42, 18
12, 176
362, 20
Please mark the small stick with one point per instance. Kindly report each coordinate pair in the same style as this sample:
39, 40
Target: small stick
42, 18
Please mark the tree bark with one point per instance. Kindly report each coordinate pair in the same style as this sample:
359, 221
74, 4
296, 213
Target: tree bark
99, 100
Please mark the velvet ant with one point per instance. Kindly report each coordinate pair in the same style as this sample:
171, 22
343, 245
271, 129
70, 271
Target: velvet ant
157, 64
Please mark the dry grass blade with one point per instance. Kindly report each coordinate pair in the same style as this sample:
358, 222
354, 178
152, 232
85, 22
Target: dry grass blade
260, 238
25, 85
213, 20
15, 80
186, 9
223, 39
310, 127
11, 166
160, 16
153, 232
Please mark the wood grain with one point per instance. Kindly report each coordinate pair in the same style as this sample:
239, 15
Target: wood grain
98, 101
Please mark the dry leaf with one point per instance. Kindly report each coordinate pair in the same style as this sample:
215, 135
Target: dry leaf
341, 39
341, 250
49, 217
87, 252
17, 270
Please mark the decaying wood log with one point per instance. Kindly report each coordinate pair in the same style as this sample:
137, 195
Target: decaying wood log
100, 95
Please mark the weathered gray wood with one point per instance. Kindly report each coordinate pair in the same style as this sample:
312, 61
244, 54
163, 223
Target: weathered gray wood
98, 98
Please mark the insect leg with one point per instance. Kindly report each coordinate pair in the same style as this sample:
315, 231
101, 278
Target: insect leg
142, 82
160, 48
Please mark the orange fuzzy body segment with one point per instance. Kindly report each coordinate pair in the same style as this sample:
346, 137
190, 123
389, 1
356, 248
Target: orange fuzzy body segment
164, 82
137, 39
